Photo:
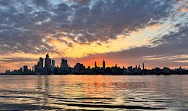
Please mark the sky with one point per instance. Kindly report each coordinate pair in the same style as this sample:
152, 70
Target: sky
123, 32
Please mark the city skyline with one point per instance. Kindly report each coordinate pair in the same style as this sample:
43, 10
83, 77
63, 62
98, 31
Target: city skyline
123, 32
46, 66
94, 63
48, 62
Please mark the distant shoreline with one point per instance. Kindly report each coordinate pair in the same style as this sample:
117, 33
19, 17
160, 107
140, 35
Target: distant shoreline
95, 74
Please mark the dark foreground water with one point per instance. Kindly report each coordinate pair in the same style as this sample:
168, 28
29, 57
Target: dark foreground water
94, 92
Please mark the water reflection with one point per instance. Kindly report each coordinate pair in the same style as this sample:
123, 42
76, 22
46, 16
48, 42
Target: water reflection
95, 92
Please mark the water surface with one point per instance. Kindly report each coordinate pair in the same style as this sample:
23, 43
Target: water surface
93, 92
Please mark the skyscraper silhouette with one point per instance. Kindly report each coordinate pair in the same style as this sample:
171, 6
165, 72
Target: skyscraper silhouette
103, 64
40, 64
64, 64
47, 62
25, 69
95, 65
53, 63
143, 65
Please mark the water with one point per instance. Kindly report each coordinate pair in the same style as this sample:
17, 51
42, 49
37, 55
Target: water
94, 92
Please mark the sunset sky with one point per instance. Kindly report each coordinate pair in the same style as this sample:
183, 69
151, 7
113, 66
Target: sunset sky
123, 32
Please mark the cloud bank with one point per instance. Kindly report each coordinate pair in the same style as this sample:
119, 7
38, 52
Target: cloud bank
62, 27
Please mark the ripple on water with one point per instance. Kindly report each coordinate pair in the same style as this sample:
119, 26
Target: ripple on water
91, 93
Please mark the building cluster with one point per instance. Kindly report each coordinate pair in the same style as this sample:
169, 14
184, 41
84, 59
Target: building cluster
48, 67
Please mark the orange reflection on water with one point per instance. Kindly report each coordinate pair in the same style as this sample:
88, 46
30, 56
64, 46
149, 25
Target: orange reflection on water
73, 91
90, 84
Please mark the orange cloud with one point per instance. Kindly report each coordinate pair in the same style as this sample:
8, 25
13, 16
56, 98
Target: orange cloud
123, 42
182, 6
184, 10
76, 50
155, 27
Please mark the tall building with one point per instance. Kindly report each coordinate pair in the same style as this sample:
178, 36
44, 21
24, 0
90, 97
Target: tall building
64, 64
103, 64
95, 65
33, 68
53, 63
20, 70
143, 66
47, 62
130, 68
25, 69
79, 67
40, 63
36, 68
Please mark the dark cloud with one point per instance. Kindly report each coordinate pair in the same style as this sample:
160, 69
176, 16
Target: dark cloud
83, 2
41, 3
26, 22
109, 18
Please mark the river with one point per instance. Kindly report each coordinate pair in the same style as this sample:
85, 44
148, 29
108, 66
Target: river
94, 92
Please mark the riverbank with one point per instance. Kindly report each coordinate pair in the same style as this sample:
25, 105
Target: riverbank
92, 74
